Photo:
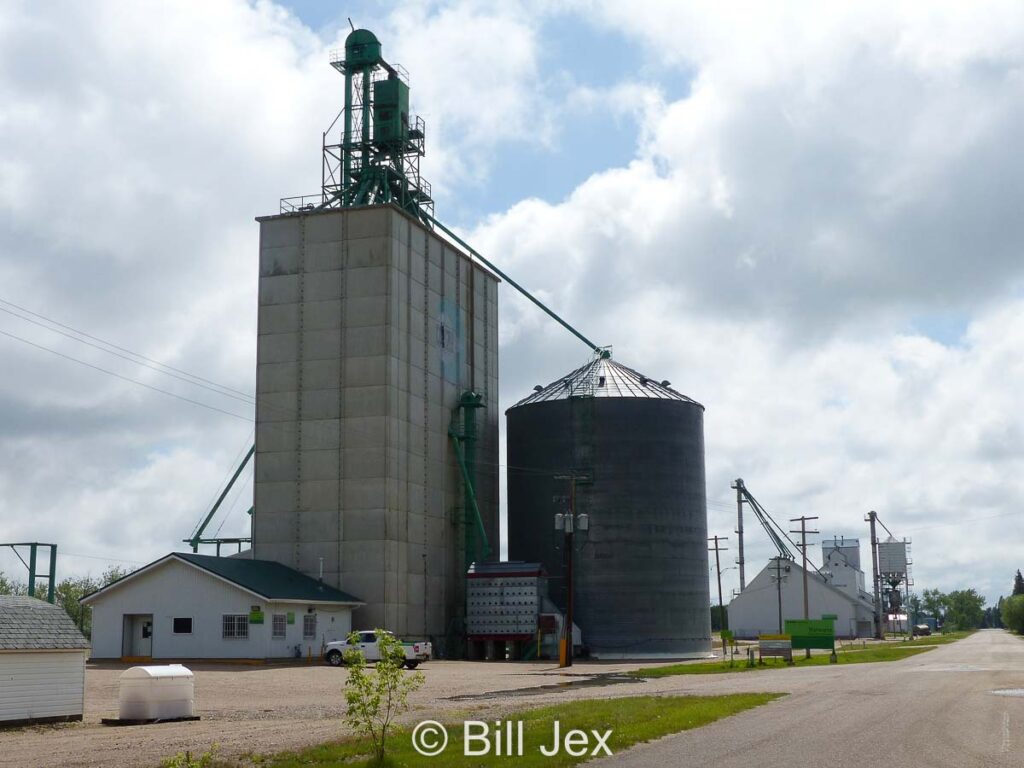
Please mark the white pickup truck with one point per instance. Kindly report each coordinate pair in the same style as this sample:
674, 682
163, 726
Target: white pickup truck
414, 652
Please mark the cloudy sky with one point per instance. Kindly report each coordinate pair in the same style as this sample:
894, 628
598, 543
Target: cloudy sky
808, 219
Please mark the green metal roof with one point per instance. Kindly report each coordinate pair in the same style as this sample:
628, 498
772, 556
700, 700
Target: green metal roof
266, 578
270, 579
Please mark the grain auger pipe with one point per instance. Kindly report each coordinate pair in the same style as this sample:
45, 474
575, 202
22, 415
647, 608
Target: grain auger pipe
490, 265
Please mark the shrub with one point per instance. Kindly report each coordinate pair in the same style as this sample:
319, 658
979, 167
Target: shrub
1012, 613
374, 699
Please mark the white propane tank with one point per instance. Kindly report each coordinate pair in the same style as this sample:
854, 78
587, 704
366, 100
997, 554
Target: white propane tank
156, 693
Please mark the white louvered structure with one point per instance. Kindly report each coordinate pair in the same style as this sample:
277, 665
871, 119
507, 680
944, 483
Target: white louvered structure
503, 600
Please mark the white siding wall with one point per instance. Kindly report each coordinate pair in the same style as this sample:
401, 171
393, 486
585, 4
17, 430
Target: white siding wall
331, 624
756, 610
178, 590
37, 684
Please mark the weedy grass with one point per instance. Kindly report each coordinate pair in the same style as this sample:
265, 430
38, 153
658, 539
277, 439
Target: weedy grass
851, 656
943, 639
632, 720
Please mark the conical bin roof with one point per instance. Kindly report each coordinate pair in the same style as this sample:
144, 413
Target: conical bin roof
604, 377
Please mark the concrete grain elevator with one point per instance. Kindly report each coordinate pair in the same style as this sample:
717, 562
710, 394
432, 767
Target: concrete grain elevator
377, 375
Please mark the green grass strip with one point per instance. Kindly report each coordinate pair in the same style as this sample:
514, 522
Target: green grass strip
855, 656
943, 639
631, 719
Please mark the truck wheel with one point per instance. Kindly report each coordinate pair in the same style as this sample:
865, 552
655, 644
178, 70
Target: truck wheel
411, 664
334, 658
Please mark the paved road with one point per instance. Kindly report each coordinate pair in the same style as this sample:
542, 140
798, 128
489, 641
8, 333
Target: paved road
935, 709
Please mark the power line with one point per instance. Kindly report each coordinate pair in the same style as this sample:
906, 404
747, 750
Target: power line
98, 557
111, 344
224, 480
247, 401
278, 409
533, 470
289, 411
234, 503
124, 378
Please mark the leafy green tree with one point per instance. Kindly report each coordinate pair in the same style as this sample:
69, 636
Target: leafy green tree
934, 604
719, 621
914, 607
67, 594
1012, 613
993, 614
6, 584
11, 586
965, 609
1018, 584
375, 699
71, 590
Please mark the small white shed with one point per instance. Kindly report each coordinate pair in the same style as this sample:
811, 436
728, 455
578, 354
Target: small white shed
42, 663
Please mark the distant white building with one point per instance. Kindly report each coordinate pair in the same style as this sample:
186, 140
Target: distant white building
188, 606
837, 590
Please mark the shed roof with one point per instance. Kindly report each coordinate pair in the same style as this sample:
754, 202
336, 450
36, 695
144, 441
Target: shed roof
266, 578
29, 624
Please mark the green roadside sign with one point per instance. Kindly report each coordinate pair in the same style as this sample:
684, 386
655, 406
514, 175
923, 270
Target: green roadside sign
812, 633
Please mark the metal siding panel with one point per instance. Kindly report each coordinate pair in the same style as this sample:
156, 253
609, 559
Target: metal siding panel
641, 581
175, 589
37, 685
394, 270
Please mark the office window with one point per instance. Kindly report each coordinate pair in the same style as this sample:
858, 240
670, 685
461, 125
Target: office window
280, 626
235, 626
309, 626
182, 626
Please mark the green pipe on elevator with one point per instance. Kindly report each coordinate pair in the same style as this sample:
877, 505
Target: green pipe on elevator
464, 443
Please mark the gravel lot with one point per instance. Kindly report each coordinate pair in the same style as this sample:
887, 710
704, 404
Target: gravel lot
263, 709
253, 709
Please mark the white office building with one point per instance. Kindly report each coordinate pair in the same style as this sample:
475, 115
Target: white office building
187, 606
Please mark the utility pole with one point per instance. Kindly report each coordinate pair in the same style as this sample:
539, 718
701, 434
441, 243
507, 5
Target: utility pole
906, 606
778, 586
876, 578
568, 523
718, 568
803, 519
738, 487
879, 629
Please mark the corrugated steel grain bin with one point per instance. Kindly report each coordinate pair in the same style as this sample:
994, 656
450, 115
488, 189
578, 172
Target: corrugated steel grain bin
641, 571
